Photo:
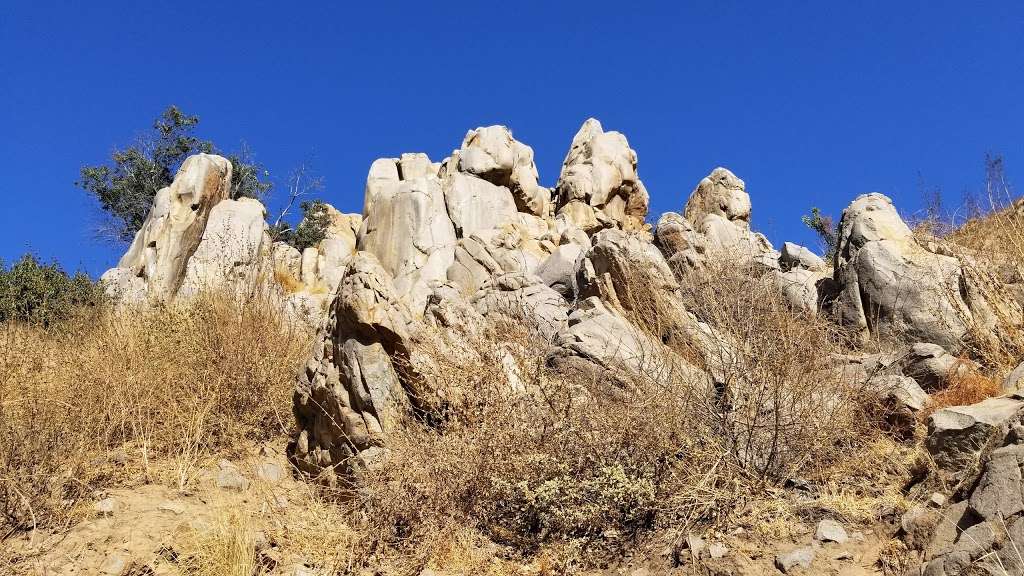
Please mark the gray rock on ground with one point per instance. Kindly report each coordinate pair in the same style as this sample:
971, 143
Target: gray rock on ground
799, 558
829, 530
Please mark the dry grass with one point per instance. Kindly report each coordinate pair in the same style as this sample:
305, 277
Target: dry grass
961, 390
137, 396
990, 246
226, 547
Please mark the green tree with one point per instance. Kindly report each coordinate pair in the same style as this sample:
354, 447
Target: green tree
126, 186
311, 230
43, 294
825, 229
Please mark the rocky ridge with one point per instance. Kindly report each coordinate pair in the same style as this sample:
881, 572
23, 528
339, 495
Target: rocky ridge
474, 237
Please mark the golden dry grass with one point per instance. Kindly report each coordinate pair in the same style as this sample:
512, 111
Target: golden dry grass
138, 396
961, 390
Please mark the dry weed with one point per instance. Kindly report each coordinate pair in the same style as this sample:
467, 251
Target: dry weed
141, 395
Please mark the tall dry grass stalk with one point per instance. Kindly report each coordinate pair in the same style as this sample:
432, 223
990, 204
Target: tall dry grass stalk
137, 395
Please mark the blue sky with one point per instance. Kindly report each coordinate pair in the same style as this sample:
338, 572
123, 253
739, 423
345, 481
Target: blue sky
810, 103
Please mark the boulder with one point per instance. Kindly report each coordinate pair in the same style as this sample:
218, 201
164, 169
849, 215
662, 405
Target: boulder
624, 268
679, 241
933, 367
720, 194
597, 334
510, 248
796, 256
335, 250
349, 396
476, 205
959, 437
232, 249
407, 227
492, 154
598, 186
169, 237
525, 298
799, 286
719, 210
1012, 382
368, 307
892, 286
902, 398
801, 558
998, 494
829, 530
559, 269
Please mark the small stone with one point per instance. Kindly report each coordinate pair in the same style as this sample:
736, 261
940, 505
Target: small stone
114, 565
717, 550
798, 558
696, 545
830, 531
230, 478
937, 500
106, 507
271, 472
176, 508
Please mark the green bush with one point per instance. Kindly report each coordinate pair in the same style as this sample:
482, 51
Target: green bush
825, 228
43, 294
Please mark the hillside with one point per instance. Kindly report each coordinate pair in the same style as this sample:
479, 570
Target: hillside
482, 375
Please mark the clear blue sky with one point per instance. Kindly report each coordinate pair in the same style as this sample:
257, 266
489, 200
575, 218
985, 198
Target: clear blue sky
810, 103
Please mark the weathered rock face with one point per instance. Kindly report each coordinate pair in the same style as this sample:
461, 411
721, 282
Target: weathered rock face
599, 186
406, 226
719, 210
892, 286
492, 154
154, 266
959, 437
231, 250
349, 395
474, 240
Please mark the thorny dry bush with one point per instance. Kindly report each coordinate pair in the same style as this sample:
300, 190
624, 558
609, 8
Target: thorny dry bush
137, 396
589, 459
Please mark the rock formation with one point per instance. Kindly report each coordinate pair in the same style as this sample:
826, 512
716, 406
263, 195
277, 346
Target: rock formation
197, 239
474, 240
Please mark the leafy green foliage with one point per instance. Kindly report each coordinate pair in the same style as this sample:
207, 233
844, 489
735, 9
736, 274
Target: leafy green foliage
316, 219
43, 294
825, 228
125, 188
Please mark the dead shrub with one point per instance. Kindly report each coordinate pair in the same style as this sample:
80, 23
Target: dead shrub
140, 395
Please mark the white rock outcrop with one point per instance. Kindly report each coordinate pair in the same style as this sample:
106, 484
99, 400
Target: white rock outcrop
599, 187
155, 263
407, 227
